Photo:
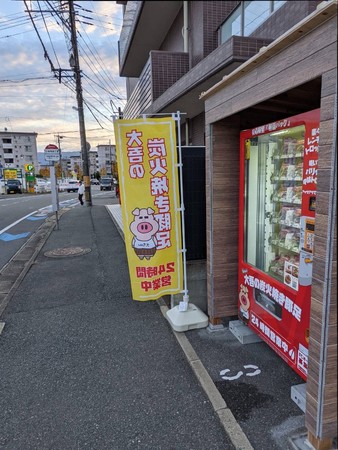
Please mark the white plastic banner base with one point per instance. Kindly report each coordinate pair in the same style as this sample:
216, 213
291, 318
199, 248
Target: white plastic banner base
190, 319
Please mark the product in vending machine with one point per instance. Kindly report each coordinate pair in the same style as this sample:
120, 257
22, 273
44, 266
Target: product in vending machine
279, 195
282, 214
295, 241
299, 170
282, 235
283, 170
297, 194
289, 240
290, 171
300, 146
283, 260
289, 216
277, 266
296, 217
290, 145
286, 215
289, 194
295, 260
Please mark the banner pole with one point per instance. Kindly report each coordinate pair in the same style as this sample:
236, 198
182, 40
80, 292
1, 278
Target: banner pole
185, 316
184, 304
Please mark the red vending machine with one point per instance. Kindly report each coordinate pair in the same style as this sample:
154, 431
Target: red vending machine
277, 217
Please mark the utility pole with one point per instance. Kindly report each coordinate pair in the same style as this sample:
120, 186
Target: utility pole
110, 161
74, 63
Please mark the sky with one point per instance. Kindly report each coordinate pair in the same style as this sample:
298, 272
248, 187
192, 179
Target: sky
32, 99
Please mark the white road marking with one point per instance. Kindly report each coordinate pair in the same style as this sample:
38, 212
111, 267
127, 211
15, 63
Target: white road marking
18, 221
252, 374
223, 372
256, 371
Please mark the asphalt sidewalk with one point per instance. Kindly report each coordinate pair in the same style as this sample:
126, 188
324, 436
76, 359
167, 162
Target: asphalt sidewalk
84, 366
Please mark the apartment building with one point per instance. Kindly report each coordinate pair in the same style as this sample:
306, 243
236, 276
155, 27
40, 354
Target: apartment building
230, 67
17, 149
106, 156
93, 163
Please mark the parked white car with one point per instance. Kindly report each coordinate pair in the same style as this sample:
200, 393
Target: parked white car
69, 185
42, 186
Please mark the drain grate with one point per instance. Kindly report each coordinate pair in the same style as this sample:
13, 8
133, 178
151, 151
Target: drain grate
67, 251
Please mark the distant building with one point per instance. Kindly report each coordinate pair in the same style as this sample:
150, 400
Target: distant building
93, 163
18, 149
106, 155
71, 163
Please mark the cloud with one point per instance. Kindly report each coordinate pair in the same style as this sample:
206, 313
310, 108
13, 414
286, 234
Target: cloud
33, 100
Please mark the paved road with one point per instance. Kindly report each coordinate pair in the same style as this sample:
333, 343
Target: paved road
21, 215
83, 366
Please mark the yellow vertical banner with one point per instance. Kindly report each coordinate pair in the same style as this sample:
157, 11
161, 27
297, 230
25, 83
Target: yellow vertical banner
149, 192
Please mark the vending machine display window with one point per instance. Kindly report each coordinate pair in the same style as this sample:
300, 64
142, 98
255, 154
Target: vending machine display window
273, 193
278, 182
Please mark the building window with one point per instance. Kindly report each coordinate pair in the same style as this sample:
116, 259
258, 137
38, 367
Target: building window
255, 13
9, 160
8, 150
247, 17
7, 141
232, 26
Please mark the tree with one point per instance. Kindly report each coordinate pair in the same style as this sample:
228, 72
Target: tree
78, 171
58, 170
45, 172
114, 169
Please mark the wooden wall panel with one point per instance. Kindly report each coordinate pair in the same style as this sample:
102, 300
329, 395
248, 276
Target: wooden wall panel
222, 218
321, 400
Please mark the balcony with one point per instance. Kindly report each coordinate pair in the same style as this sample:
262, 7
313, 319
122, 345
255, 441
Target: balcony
167, 85
162, 70
145, 25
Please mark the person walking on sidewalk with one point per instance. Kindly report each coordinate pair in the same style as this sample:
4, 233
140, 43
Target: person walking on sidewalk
81, 192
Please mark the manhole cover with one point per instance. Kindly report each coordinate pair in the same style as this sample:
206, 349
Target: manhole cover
68, 251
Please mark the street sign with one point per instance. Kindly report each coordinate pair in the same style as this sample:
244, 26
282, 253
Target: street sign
29, 168
10, 173
52, 153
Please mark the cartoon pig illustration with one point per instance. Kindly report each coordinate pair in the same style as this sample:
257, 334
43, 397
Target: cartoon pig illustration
144, 228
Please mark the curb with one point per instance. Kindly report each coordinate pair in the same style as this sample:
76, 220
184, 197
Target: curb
227, 419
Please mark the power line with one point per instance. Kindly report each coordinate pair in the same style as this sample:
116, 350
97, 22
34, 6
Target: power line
50, 40
43, 46
79, 98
